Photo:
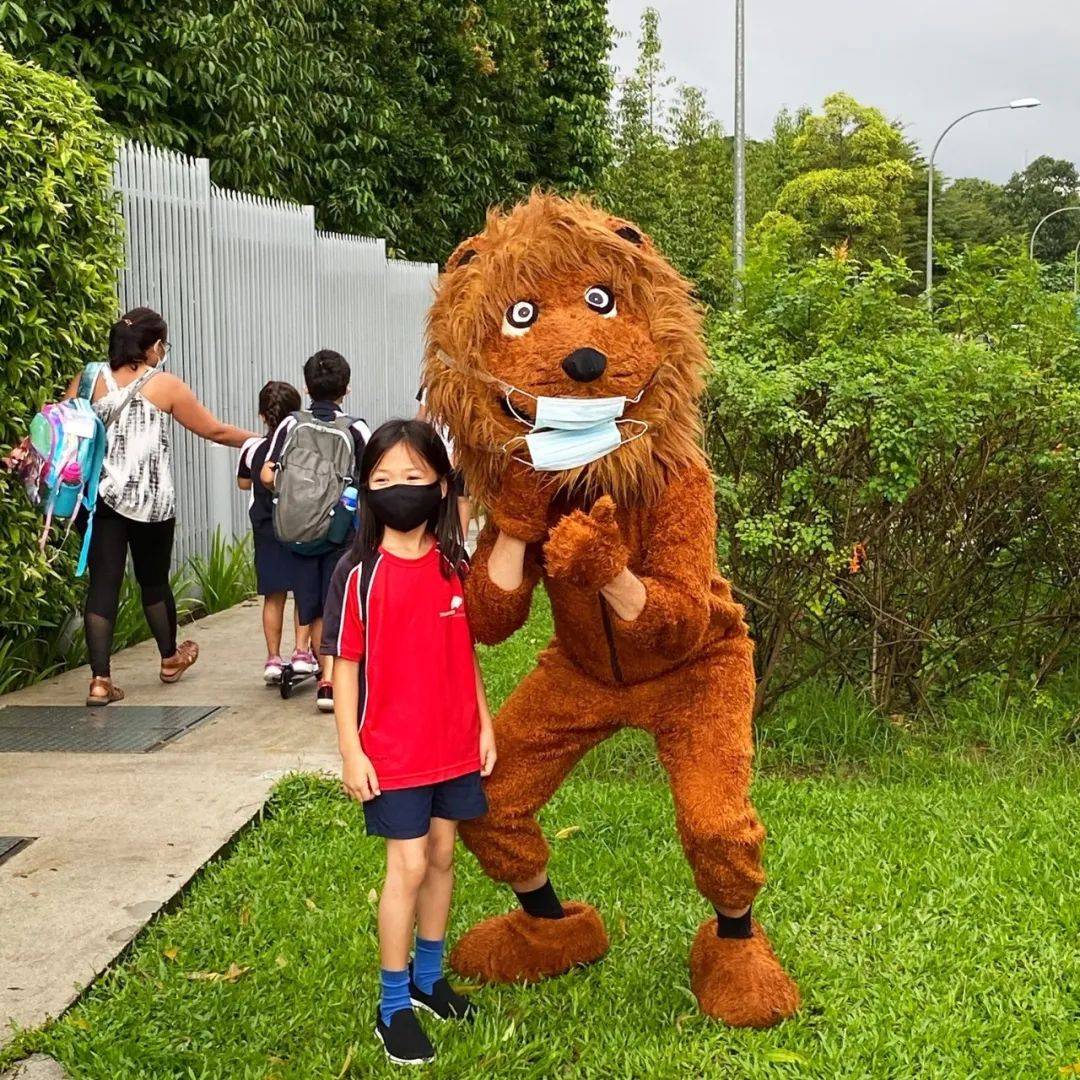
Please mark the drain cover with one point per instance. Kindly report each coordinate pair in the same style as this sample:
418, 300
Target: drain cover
9, 845
117, 729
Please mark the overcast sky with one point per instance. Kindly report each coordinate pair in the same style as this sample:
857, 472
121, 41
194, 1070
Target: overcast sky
921, 61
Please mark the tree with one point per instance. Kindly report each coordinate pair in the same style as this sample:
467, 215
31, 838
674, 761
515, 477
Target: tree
853, 170
973, 211
1045, 185
397, 118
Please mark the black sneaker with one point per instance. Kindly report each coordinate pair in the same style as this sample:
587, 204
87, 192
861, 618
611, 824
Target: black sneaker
444, 1002
324, 697
403, 1038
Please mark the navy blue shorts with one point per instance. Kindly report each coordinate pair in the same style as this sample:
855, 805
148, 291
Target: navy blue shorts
275, 564
406, 813
311, 582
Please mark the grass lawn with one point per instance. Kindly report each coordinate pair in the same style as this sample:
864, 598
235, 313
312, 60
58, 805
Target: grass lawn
924, 895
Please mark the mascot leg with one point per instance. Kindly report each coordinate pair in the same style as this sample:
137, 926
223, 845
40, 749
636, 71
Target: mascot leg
547, 724
705, 741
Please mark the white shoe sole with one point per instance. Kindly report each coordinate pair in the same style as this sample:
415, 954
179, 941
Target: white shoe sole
324, 706
402, 1061
271, 679
304, 669
428, 1009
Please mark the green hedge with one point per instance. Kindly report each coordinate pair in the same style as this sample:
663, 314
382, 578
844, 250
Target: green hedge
400, 119
60, 250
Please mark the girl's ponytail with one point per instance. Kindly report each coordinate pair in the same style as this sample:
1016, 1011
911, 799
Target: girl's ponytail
276, 401
133, 335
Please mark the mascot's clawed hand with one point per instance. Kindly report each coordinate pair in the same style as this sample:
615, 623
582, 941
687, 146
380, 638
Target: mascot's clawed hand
587, 549
521, 510
558, 334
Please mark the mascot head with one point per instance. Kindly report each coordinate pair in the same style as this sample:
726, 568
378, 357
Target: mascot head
552, 307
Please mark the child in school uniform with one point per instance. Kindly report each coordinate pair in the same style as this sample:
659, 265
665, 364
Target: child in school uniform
326, 376
413, 724
275, 565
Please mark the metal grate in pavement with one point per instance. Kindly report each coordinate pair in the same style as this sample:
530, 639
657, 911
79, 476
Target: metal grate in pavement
9, 845
116, 729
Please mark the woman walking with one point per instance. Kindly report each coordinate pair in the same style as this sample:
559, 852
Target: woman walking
136, 508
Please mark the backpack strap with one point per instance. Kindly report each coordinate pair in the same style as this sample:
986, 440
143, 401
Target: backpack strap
88, 379
90, 494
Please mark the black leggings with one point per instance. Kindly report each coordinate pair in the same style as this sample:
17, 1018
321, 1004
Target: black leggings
151, 554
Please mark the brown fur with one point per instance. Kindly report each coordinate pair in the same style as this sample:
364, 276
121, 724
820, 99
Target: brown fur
517, 948
682, 669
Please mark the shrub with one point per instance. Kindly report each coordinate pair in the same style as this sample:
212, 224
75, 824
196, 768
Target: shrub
60, 251
898, 497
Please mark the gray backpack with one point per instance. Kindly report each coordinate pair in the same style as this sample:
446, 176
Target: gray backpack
316, 465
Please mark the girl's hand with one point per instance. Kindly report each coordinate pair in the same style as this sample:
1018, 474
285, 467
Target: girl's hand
358, 778
487, 749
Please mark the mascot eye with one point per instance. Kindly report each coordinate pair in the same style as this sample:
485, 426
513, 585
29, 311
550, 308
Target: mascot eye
601, 300
520, 315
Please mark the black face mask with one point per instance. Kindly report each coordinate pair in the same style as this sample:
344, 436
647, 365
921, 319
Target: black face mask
404, 507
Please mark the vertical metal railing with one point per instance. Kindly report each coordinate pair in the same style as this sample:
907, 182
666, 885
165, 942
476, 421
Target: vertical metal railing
250, 289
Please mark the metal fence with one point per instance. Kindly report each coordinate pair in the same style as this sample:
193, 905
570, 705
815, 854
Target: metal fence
250, 289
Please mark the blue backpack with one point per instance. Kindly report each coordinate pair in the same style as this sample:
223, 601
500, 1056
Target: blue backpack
61, 459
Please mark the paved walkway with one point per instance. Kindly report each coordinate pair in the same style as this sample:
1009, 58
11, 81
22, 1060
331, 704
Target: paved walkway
117, 835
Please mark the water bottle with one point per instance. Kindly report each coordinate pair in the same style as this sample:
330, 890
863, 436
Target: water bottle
67, 495
349, 498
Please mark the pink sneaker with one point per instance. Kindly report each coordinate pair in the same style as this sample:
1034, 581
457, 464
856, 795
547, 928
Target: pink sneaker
304, 662
272, 671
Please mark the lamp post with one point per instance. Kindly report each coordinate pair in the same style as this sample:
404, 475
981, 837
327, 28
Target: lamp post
1076, 271
1053, 213
1020, 103
740, 147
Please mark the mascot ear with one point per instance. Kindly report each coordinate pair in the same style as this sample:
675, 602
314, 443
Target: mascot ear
632, 233
463, 253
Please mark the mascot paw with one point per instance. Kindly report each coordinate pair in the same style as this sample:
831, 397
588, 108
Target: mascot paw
740, 980
519, 948
587, 549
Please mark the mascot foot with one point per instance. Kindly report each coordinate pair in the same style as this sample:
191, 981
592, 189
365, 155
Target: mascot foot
740, 980
519, 948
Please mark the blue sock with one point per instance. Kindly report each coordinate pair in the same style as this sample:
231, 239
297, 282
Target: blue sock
395, 993
427, 963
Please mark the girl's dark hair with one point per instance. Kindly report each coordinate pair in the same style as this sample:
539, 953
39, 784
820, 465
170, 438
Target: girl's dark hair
444, 523
133, 334
276, 401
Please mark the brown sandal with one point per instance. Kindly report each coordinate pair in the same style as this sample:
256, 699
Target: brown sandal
103, 692
172, 667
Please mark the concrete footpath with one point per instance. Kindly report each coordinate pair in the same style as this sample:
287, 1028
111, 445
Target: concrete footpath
118, 835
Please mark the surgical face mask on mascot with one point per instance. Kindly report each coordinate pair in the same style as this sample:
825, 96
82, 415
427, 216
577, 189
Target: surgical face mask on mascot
570, 431
404, 507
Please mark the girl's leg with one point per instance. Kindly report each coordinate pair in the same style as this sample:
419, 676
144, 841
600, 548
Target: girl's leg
302, 634
406, 867
433, 903
273, 616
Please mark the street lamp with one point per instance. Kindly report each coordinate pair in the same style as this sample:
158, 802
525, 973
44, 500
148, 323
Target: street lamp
1076, 271
740, 146
1019, 103
1053, 213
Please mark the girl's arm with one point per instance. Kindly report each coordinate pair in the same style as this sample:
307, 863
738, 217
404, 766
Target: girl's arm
487, 729
243, 483
357, 772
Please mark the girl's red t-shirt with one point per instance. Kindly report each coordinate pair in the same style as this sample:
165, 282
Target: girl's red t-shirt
419, 719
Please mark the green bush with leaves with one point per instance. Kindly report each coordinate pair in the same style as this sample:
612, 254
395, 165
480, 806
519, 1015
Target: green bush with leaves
404, 120
898, 496
60, 251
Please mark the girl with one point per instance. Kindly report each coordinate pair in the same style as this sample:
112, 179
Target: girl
136, 508
413, 725
275, 564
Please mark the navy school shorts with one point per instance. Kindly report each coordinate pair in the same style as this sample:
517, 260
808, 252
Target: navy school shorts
406, 813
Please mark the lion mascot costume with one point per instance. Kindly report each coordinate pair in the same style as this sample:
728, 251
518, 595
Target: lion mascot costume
564, 355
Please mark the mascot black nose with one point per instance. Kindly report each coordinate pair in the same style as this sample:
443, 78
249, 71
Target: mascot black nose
584, 365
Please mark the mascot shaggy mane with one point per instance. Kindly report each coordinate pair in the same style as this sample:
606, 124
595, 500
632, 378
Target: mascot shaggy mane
550, 238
